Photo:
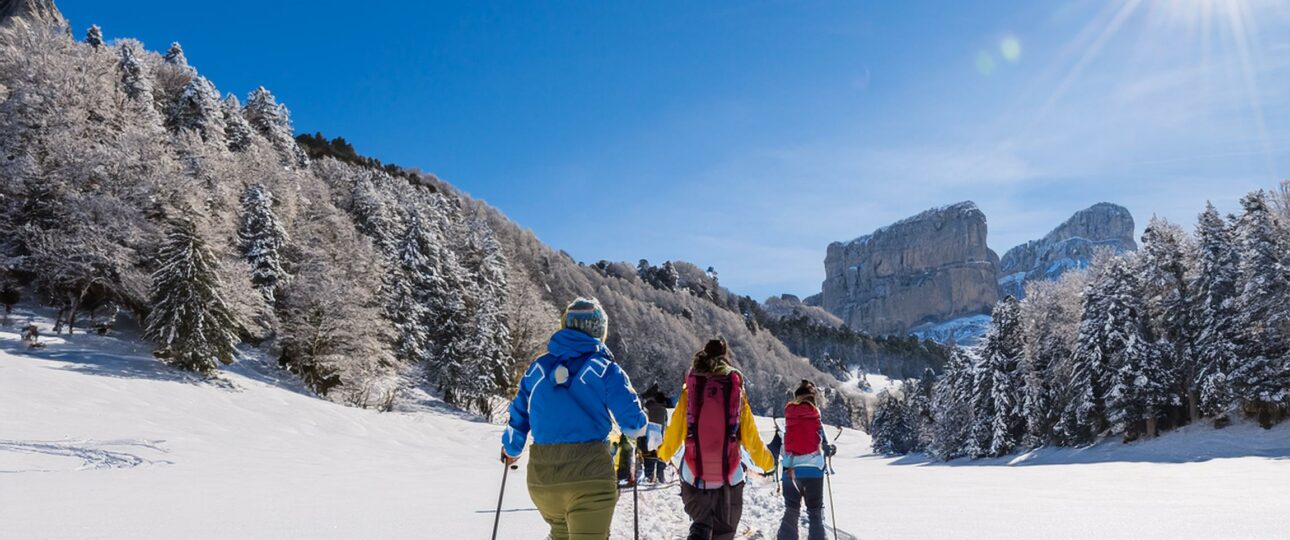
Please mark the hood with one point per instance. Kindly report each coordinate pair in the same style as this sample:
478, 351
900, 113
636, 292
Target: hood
570, 343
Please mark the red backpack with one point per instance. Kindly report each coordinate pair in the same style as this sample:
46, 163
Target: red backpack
712, 418
801, 429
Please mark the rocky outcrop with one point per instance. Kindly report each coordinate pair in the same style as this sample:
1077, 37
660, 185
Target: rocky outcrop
929, 268
1070, 245
31, 11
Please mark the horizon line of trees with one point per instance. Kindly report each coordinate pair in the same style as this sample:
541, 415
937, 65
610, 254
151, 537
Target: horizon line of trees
1191, 327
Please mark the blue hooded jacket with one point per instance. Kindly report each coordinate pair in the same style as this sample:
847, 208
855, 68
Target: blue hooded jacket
578, 410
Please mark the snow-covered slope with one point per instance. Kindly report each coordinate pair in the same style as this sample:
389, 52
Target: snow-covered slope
97, 440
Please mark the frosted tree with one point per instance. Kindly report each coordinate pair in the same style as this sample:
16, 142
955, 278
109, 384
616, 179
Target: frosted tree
1166, 286
411, 276
1083, 415
999, 384
334, 335
372, 211
1260, 379
273, 122
891, 431
951, 406
1050, 316
489, 351
981, 435
175, 55
262, 239
94, 37
198, 108
1214, 309
134, 73
918, 407
1140, 388
237, 131
188, 318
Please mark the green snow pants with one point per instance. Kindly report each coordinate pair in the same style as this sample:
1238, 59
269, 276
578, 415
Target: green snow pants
574, 489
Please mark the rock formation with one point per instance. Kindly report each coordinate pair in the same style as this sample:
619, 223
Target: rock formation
1070, 245
932, 267
31, 11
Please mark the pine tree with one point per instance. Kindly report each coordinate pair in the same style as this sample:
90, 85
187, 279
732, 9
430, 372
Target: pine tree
237, 131
134, 74
94, 37
1215, 310
951, 406
919, 409
189, 318
1050, 317
1260, 378
198, 108
1141, 384
1166, 285
262, 240
175, 55
412, 275
273, 122
1084, 414
1000, 385
891, 432
981, 434
489, 351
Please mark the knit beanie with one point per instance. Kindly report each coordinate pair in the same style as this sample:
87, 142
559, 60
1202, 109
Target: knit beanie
586, 316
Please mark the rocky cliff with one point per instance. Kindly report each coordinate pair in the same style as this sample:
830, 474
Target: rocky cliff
1070, 245
32, 11
932, 267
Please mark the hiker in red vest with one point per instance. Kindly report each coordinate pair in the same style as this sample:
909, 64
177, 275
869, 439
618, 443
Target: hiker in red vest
711, 422
805, 450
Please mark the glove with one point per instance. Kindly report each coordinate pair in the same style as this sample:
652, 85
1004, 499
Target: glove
830, 450
653, 436
508, 459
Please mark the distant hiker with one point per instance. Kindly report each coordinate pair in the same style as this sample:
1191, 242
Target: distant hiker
625, 461
656, 404
805, 450
565, 400
711, 421
31, 336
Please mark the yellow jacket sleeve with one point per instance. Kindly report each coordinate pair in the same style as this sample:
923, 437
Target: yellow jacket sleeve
674, 439
751, 440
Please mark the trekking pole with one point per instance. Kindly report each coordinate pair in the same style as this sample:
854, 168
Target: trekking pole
833, 514
636, 516
497, 518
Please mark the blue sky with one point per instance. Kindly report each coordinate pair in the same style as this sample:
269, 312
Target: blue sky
749, 135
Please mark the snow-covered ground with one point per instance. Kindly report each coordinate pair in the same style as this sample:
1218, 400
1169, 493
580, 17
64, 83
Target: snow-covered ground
97, 440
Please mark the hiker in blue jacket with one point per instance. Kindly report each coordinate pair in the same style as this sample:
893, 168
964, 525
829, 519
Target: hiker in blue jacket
565, 401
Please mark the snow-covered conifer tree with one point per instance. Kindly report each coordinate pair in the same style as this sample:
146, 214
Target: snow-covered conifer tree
237, 131
273, 122
999, 424
1261, 378
412, 275
891, 432
94, 37
188, 316
262, 239
1083, 416
1166, 286
951, 406
175, 55
1141, 386
198, 109
134, 73
1215, 310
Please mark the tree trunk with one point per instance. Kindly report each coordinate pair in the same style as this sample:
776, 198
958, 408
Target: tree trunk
1193, 405
1151, 426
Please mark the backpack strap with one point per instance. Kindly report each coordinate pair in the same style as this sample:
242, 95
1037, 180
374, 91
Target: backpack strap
726, 390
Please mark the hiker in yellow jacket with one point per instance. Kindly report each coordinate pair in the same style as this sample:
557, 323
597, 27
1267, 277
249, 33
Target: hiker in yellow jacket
712, 405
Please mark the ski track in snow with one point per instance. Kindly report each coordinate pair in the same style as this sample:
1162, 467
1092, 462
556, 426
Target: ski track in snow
92, 454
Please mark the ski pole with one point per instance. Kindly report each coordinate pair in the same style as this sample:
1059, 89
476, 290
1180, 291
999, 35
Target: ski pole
636, 516
497, 518
833, 515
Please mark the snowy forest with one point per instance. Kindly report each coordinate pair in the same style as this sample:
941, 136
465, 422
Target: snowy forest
1193, 327
133, 190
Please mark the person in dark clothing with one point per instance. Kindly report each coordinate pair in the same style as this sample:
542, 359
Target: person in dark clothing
655, 403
